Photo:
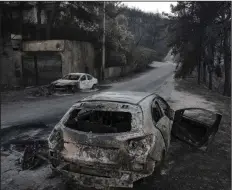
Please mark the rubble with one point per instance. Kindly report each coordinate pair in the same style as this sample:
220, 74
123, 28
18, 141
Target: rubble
34, 155
41, 91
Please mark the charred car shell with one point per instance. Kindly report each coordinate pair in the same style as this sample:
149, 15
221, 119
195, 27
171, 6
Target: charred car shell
108, 159
75, 81
111, 139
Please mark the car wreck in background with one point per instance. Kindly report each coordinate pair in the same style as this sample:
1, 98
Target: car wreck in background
75, 81
114, 139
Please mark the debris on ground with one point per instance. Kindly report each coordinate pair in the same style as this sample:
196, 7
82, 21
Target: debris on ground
41, 91
24, 94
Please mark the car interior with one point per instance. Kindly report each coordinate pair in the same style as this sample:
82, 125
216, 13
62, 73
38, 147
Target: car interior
97, 121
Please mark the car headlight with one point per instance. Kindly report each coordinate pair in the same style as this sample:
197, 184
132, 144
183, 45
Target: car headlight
55, 140
138, 148
140, 143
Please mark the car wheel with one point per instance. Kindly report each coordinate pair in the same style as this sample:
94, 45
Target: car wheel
157, 172
74, 89
94, 86
159, 166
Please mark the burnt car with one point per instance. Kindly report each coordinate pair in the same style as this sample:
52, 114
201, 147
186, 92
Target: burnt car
113, 139
75, 81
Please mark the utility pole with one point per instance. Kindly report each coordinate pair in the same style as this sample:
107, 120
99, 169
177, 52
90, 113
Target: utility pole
103, 42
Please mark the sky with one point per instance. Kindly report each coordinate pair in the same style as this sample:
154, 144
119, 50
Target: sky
152, 6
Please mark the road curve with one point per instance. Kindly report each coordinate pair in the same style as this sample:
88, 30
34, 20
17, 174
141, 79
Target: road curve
51, 110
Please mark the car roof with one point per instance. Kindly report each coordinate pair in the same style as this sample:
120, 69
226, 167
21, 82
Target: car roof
121, 96
77, 74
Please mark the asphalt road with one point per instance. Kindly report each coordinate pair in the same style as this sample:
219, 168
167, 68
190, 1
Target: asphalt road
50, 111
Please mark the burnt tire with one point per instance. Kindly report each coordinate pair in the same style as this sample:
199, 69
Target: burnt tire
94, 86
72, 89
159, 166
155, 174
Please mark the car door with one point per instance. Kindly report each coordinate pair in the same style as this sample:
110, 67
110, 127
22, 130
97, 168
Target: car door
90, 81
167, 114
165, 106
83, 82
161, 122
196, 126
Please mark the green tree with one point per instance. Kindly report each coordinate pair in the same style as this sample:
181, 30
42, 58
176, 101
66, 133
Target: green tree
196, 34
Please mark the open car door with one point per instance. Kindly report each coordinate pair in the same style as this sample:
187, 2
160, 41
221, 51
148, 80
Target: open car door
195, 126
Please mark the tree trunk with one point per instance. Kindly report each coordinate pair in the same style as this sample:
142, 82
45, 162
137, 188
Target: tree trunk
38, 21
204, 67
210, 80
36, 71
1, 30
137, 43
204, 71
211, 63
199, 60
51, 19
21, 18
227, 66
199, 74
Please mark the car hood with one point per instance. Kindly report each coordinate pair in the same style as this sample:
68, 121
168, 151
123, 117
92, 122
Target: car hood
63, 82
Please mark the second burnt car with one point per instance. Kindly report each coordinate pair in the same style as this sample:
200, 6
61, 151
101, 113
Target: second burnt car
113, 139
75, 81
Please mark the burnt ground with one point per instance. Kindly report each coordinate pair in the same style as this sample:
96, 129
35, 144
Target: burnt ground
185, 167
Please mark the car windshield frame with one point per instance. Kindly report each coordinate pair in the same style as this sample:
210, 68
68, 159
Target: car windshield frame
72, 77
135, 111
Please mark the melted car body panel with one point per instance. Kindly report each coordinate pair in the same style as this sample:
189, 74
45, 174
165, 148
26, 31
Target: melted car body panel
129, 154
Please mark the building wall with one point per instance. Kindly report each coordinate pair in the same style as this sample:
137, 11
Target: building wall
10, 61
7, 69
44, 45
77, 56
112, 72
